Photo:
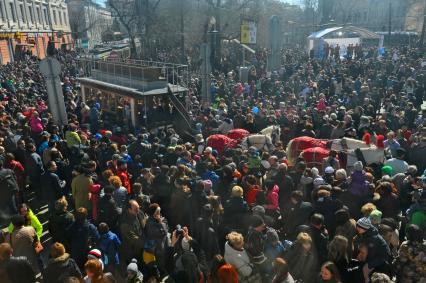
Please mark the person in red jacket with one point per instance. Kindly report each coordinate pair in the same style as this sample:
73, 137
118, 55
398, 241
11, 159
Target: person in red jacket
123, 174
19, 171
251, 190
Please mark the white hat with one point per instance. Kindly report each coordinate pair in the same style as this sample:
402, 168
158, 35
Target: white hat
318, 182
265, 164
329, 170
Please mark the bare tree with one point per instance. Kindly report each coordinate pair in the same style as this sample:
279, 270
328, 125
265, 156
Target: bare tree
80, 27
126, 13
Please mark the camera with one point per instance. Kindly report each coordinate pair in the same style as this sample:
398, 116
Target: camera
179, 231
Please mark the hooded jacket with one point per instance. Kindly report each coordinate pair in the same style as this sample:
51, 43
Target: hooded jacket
33, 221
359, 184
378, 249
60, 268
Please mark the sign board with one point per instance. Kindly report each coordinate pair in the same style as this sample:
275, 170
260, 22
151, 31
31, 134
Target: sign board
248, 32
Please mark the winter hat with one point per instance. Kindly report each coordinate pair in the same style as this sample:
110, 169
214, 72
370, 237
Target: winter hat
341, 174
375, 216
133, 266
387, 170
257, 221
96, 254
258, 210
265, 164
207, 185
272, 236
329, 170
199, 138
318, 182
208, 149
364, 223
358, 166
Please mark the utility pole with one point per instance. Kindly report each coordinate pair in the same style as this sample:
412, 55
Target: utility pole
182, 30
390, 17
422, 36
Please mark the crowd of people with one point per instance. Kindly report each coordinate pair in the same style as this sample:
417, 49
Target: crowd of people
147, 206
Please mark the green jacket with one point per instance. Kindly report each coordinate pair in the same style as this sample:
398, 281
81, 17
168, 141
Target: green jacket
72, 138
35, 223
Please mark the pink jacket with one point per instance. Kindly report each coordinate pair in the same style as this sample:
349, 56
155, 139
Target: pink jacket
36, 125
272, 199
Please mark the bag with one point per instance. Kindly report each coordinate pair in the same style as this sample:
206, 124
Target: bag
8, 181
38, 247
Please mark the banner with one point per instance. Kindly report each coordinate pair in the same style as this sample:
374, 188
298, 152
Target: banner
248, 32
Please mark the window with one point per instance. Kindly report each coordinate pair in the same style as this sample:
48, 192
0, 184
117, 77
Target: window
12, 11
60, 17
38, 15
30, 12
55, 20
46, 17
21, 9
1, 10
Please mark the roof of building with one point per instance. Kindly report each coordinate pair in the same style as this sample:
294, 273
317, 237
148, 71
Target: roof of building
127, 91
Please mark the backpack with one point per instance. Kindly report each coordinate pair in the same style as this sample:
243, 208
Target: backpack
8, 183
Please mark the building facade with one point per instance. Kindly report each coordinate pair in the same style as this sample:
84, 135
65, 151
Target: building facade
28, 25
376, 15
89, 22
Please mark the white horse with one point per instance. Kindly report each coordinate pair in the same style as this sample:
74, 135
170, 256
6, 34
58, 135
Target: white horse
345, 144
259, 141
274, 132
372, 155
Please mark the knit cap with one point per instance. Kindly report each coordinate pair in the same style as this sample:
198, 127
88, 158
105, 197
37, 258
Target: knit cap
364, 223
387, 170
133, 266
358, 166
376, 216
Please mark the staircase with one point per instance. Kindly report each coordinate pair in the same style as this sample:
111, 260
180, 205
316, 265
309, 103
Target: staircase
183, 113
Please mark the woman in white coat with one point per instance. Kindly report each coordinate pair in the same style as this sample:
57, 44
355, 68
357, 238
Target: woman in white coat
236, 255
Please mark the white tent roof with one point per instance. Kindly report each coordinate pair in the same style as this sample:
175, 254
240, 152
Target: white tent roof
363, 33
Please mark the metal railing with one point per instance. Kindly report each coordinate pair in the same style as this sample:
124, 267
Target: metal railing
140, 74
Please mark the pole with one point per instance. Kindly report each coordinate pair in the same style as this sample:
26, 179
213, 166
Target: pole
422, 37
390, 17
244, 57
182, 36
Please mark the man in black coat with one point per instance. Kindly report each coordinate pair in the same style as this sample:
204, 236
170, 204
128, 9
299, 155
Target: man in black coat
52, 186
296, 213
108, 211
14, 269
60, 266
34, 168
319, 236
